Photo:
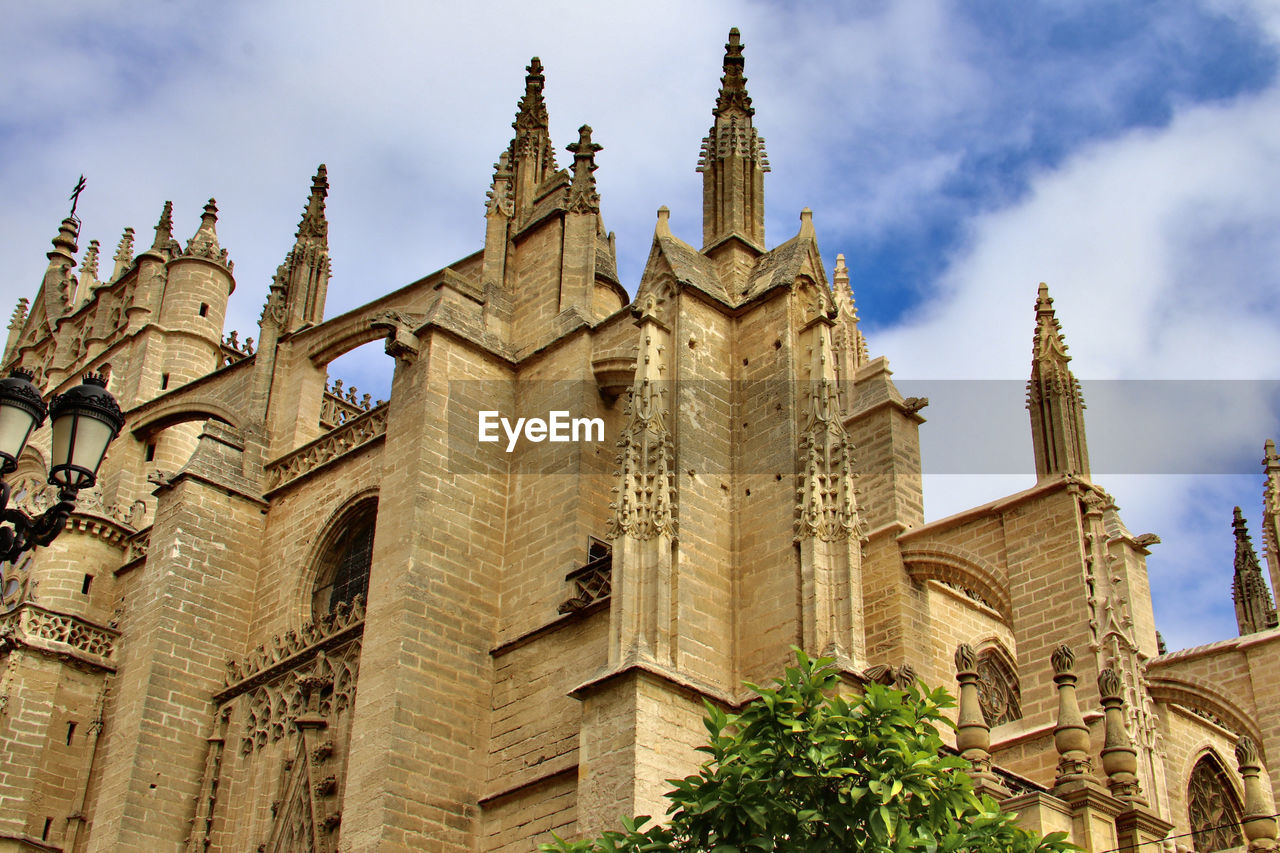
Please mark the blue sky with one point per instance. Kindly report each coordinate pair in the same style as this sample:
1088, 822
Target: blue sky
1128, 153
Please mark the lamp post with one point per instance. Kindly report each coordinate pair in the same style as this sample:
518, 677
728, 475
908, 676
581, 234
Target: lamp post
85, 420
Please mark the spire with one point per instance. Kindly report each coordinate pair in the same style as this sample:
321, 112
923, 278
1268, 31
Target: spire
297, 294
164, 230
88, 272
733, 85
1254, 610
583, 197
16, 322
1054, 399
733, 161
531, 155
204, 243
124, 255
314, 226
1271, 510
849, 345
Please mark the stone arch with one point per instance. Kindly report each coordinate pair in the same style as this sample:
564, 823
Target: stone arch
1200, 697
340, 336
183, 411
351, 516
1214, 809
970, 572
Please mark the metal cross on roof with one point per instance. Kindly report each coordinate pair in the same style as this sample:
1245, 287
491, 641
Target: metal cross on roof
75, 197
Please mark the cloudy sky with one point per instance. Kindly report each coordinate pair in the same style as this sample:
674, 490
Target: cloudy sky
1128, 153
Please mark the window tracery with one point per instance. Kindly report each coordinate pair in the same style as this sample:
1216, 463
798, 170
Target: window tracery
345, 560
998, 692
1212, 809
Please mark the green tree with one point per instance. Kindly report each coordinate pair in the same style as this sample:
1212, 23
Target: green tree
802, 768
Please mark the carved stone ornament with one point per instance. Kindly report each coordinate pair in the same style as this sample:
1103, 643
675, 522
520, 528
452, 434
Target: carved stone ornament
1063, 659
646, 492
998, 693
966, 658
1247, 753
825, 507
1109, 684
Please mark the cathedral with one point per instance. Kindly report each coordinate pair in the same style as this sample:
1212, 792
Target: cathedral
290, 618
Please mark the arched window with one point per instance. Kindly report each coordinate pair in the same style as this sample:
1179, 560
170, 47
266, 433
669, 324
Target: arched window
345, 559
998, 692
1212, 808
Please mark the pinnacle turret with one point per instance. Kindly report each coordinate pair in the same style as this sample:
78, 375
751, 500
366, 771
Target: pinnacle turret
164, 230
733, 162
124, 255
1254, 608
88, 271
57, 287
297, 293
314, 226
531, 156
1054, 399
733, 85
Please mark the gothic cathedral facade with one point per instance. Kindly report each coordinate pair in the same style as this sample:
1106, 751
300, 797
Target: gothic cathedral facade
291, 619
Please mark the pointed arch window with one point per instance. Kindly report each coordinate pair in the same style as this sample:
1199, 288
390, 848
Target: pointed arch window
1212, 808
346, 559
998, 692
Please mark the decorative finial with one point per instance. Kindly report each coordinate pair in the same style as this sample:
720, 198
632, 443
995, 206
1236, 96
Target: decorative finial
733, 85
966, 658
75, 199
532, 111
583, 197
1048, 343
1269, 457
1247, 753
124, 254
1109, 684
1063, 659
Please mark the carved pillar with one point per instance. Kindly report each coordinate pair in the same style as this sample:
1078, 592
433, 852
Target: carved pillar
973, 735
642, 528
827, 525
1259, 826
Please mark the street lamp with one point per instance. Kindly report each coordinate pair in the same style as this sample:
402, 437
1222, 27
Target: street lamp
85, 420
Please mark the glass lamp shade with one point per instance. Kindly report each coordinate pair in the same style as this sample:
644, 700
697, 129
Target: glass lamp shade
21, 411
85, 420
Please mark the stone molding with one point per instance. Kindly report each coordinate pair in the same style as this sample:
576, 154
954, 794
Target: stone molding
353, 434
287, 651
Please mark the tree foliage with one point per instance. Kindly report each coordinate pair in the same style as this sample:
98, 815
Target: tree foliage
802, 768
